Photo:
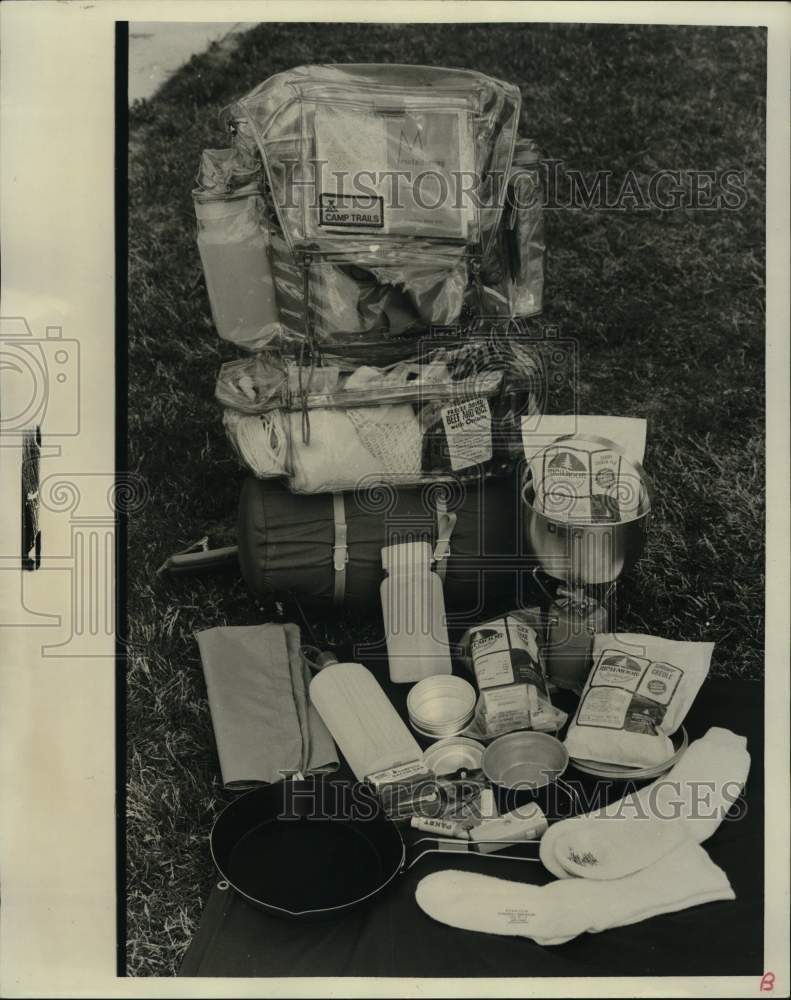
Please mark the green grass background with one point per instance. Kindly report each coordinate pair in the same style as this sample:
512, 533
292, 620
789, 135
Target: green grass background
667, 307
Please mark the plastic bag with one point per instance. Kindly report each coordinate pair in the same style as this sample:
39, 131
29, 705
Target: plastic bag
454, 413
636, 696
391, 198
505, 656
357, 153
580, 481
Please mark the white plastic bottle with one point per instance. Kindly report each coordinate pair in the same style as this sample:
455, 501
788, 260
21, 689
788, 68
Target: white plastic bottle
413, 607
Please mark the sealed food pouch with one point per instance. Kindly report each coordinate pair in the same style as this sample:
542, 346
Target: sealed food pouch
579, 481
506, 659
637, 694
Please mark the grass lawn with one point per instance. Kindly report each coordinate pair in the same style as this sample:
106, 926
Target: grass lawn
667, 307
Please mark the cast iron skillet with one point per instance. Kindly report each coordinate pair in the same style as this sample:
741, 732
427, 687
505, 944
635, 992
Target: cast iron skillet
307, 848
315, 848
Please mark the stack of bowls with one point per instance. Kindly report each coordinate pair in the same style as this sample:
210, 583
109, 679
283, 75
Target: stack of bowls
440, 706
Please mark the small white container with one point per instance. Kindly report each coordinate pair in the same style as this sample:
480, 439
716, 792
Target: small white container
413, 608
441, 706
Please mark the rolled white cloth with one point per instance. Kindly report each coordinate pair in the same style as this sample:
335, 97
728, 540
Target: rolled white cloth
556, 913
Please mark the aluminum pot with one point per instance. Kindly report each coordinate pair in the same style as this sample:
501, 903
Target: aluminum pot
586, 554
526, 766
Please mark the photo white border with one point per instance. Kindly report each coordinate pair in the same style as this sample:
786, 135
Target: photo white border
57, 773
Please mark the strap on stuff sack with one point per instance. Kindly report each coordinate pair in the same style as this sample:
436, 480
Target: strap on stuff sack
340, 551
446, 522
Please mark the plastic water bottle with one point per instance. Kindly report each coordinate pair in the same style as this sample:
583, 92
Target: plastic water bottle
233, 240
413, 608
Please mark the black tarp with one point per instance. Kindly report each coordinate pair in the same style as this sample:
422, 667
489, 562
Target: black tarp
393, 937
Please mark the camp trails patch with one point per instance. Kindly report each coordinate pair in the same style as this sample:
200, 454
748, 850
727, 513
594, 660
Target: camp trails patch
355, 211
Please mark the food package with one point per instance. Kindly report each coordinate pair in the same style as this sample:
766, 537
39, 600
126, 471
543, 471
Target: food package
636, 696
506, 658
579, 481
541, 429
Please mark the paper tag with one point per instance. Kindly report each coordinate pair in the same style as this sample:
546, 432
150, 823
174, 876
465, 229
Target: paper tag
604, 708
659, 682
468, 429
616, 669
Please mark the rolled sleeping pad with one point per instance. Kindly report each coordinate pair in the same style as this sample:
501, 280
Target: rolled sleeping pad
291, 543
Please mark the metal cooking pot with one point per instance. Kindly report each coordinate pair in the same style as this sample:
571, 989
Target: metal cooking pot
527, 766
583, 554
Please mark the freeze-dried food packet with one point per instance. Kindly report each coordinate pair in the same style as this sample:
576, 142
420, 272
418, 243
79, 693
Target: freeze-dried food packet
636, 696
506, 659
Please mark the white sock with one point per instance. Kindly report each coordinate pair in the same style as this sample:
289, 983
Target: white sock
695, 794
607, 848
558, 912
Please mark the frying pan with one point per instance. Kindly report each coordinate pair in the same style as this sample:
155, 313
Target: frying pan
316, 848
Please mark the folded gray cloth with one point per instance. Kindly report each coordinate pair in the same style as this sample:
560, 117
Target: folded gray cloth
264, 723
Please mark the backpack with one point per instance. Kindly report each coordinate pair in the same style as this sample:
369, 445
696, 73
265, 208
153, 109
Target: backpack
359, 207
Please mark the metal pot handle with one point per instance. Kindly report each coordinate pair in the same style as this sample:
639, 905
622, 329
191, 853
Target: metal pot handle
572, 793
470, 848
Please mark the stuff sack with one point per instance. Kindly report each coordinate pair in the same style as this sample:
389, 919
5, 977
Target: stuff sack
453, 414
636, 696
398, 199
505, 656
328, 549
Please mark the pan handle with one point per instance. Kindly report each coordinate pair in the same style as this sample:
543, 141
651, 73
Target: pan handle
471, 848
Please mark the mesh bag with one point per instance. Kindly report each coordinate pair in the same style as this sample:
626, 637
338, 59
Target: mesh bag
454, 413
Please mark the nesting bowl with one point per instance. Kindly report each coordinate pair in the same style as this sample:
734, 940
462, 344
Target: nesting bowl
524, 767
453, 753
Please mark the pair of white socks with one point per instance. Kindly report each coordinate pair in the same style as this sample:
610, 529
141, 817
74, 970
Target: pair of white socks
634, 859
689, 802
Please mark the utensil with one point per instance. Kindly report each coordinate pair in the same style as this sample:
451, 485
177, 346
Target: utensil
317, 848
526, 766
